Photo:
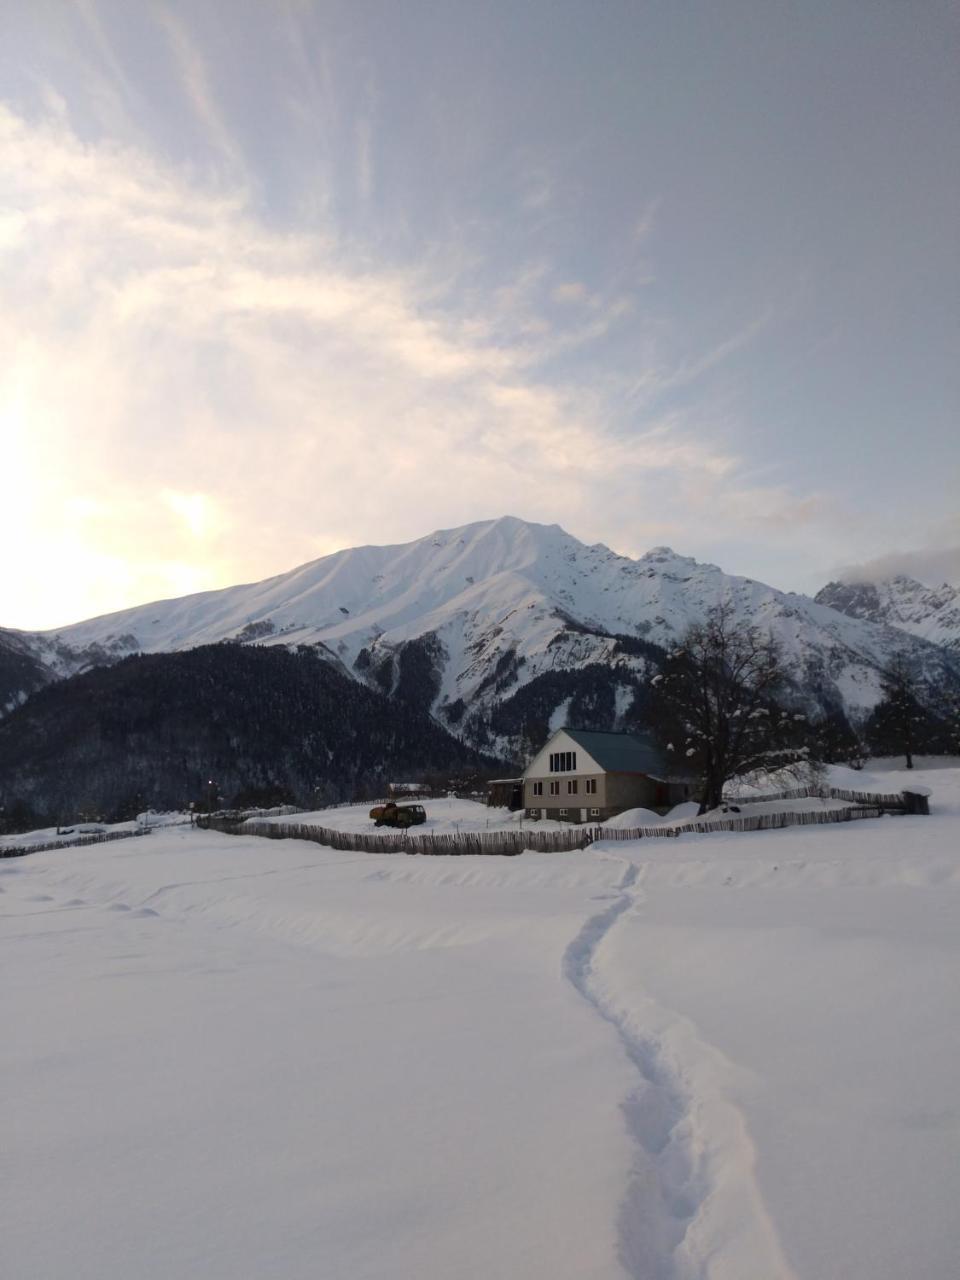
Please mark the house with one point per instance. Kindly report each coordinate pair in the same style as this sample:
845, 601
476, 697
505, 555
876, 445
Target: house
586, 776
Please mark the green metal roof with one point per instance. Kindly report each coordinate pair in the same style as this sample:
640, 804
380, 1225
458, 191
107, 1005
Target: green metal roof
621, 752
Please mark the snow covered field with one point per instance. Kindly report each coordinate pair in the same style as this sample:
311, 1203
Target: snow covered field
725, 1056
69, 834
444, 816
448, 816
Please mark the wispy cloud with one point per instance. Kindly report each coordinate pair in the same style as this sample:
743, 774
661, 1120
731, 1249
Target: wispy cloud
195, 82
660, 376
570, 291
86, 11
647, 219
536, 189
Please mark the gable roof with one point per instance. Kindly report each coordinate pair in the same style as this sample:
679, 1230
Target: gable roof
621, 752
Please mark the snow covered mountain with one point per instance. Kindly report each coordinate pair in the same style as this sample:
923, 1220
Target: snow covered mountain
932, 613
489, 624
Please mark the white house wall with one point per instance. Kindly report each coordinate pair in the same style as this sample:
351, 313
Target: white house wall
539, 766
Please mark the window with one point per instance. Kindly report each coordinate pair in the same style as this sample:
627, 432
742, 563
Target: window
594, 813
538, 788
563, 761
572, 787
591, 787
534, 813
562, 812
554, 788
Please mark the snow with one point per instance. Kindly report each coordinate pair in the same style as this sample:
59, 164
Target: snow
444, 816
720, 1056
489, 589
67, 835
63, 835
932, 613
559, 717
806, 985
638, 817
689, 811
889, 774
450, 815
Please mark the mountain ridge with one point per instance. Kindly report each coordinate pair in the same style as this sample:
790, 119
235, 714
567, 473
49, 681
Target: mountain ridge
930, 613
464, 620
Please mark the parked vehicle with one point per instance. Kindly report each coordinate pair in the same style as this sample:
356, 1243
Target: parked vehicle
398, 815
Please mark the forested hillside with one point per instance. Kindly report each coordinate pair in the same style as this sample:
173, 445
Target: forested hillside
266, 725
21, 671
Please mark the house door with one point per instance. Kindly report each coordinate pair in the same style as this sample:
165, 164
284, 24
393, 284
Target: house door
584, 814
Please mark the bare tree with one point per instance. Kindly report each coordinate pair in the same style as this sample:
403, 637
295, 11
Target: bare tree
717, 697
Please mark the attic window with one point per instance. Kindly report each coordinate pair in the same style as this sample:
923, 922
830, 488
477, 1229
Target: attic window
563, 761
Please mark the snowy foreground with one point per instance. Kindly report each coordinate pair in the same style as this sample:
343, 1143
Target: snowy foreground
725, 1056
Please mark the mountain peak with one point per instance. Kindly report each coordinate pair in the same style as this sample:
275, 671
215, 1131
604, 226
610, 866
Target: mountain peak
931, 613
471, 615
667, 560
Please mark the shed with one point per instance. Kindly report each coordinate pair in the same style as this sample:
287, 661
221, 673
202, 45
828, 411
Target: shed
505, 793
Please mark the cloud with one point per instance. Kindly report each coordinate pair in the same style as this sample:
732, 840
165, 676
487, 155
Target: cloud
199, 513
570, 291
191, 398
537, 189
647, 219
658, 377
195, 82
932, 565
935, 561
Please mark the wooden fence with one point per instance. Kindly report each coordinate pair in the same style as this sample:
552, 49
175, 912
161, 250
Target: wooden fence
494, 843
871, 799
861, 804
755, 822
20, 851
511, 843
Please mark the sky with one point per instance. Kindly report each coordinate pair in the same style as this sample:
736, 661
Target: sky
281, 277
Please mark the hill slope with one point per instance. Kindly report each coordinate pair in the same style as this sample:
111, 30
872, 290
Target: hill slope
22, 670
262, 723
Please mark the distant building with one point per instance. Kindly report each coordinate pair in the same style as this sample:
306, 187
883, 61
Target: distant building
586, 776
408, 789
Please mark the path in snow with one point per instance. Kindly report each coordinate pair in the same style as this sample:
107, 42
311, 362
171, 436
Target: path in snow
661, 1198
694, 1161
